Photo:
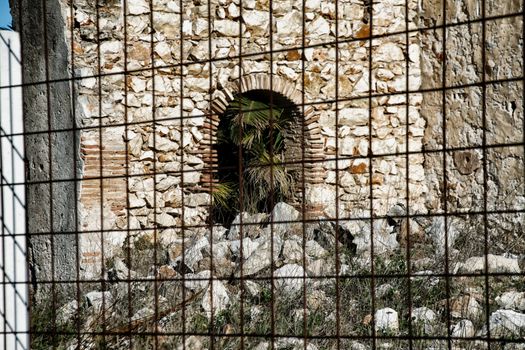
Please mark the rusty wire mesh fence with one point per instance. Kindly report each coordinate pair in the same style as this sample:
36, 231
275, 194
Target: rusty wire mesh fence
251, 174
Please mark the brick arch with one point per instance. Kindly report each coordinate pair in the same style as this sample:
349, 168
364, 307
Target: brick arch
314, 171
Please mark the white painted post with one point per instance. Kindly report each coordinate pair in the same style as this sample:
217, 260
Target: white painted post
14, 315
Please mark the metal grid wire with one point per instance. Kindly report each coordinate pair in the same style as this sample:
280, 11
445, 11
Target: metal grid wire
83, 299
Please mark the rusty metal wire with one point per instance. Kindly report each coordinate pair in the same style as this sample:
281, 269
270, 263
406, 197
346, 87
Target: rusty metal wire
335, 309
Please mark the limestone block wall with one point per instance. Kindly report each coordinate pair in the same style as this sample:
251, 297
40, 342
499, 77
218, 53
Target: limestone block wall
148, 121
477, 150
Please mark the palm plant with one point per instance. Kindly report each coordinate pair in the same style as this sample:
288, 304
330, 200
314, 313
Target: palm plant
256, 129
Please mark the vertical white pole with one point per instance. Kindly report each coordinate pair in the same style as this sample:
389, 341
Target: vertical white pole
13, 272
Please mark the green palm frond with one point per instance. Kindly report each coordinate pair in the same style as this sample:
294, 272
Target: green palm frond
268, 173
250, 119
248, 112
258, 128
223, 192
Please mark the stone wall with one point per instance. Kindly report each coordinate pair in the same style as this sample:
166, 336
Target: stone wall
144, 127
136, 120
459, 188
133, 126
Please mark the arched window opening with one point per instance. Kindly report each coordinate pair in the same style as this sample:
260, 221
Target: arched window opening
253, 140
